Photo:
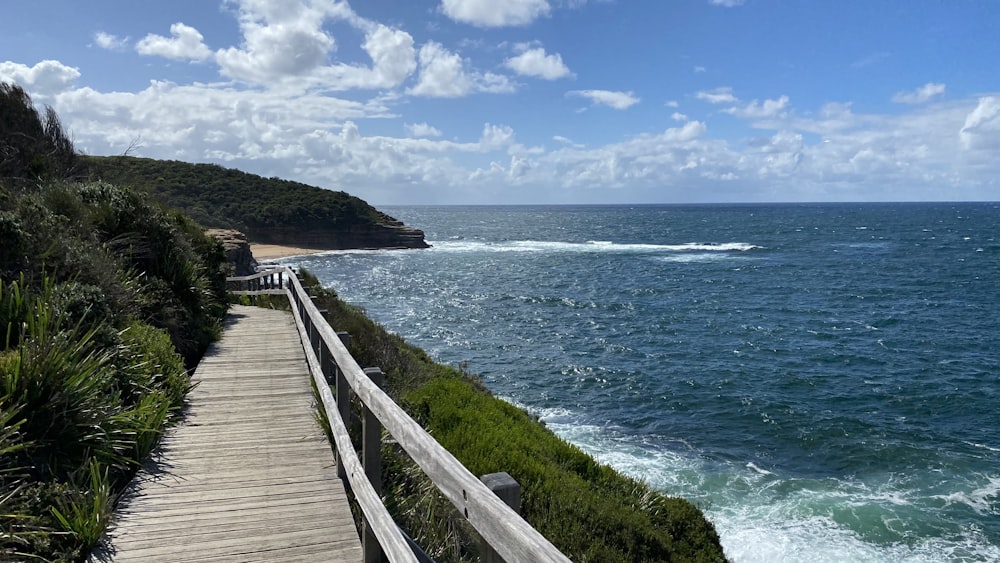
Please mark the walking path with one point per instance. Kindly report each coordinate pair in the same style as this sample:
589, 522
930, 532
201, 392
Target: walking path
248, 475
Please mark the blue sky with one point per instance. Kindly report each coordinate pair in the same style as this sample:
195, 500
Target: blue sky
535, 101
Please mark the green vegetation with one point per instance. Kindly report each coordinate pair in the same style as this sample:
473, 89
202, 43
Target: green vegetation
588, 510
226, 198
106, 301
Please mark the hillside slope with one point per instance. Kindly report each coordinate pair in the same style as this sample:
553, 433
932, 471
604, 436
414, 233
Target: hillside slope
267, 210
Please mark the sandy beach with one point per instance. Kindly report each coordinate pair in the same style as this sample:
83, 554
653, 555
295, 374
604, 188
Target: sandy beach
263, 252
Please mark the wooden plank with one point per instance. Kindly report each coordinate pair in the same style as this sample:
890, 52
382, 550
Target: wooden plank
248, 475
509, 534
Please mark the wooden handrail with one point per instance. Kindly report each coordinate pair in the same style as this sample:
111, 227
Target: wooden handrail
499, 525
392, 541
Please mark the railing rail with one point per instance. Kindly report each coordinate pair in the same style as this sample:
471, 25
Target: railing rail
500, 526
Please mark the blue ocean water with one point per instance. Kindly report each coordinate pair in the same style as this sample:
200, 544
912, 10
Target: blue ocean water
823, 380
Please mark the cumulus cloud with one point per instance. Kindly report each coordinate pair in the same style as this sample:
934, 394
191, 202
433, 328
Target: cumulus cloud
496, 136
758, 110
613, 99
110, 42
536, 62
834, 152
495, 13
421, 130
185, 43
278, 41
44, 79
921, 95
392, 53
722, 95
288, 45
443, 74
393, 61
981, 128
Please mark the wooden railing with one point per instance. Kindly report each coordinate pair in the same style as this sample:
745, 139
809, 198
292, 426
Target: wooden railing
507, 536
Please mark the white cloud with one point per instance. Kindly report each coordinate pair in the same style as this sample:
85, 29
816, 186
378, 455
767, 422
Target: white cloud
536, 62
981, 128
830, 153
757, 110
722, 95
726, 3
421, 130
613, 99
44, 79
923, 94
496, 136
109, 41
279, 41
392, 53
495, 13
672, 104
700, 69
443, 74
185, 43
287, 45
566, 141
393, 61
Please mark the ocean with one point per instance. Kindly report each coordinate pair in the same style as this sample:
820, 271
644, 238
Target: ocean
823, 380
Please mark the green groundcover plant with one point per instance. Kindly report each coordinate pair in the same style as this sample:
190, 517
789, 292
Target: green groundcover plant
589, 511
106, 301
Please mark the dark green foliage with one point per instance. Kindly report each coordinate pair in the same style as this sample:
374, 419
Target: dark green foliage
31, 148
99, 291
75, 412
226, 198
588, 510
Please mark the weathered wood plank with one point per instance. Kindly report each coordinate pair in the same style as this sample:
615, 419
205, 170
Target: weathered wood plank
248, 474
509, 534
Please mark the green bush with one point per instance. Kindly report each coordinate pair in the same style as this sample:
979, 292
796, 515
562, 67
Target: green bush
148, 362
587, 510
99, 291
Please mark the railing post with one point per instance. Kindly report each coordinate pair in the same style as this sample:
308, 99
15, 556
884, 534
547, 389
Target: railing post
371, 459
509, 491
313, 331
343, 397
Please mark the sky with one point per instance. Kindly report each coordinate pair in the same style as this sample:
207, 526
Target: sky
534, 101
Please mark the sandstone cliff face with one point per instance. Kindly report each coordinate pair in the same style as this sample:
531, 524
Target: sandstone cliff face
387, 234
237, 250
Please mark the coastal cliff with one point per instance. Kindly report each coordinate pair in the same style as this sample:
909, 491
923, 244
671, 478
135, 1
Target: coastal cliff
267, 210
387, 233
237, 249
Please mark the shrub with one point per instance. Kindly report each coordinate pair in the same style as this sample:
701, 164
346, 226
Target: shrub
148, 362
587, 510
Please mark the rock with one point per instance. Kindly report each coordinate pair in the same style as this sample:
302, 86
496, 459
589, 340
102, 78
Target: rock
237, 250
388, 233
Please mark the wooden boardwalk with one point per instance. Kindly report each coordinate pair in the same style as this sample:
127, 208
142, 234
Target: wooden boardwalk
248, 475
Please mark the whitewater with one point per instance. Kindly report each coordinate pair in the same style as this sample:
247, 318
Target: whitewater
822, 380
